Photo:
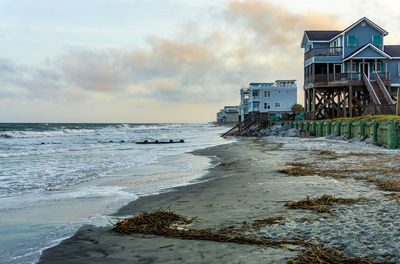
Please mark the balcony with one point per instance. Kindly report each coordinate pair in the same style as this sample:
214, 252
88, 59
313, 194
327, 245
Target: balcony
323, 52
344, 77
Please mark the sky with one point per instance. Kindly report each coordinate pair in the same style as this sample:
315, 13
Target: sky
157, 60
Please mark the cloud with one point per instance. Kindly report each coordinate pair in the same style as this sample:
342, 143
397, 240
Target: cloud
275, 24
92, 70
248, 41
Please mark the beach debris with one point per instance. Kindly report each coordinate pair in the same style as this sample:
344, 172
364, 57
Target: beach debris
389, 185
297, 170
321, 204
171, 225
156, 141
256, 225
321, 254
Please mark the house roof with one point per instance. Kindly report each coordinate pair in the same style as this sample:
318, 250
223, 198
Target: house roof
384, 32
392, 50
369, 45
324, 35
330, 35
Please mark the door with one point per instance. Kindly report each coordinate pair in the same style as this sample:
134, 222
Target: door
338, 68
366, 69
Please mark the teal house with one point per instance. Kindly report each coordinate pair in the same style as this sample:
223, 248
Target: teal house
350, 72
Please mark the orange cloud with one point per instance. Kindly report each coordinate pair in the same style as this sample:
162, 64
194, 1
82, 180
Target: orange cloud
276, 24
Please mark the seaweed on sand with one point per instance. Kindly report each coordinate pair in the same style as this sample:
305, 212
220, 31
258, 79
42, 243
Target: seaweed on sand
320, 254
321, 204
389, 185
171, 225
256, 225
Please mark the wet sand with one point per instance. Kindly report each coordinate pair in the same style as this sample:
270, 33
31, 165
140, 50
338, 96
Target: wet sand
244, 186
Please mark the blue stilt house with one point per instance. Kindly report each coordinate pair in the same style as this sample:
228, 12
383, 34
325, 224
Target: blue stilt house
350, 72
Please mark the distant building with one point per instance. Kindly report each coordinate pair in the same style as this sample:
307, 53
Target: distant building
272, 97
228, 115
244, 104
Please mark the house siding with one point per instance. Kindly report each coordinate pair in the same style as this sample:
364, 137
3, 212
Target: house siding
369, 53
364, 37
285, 96
393, 69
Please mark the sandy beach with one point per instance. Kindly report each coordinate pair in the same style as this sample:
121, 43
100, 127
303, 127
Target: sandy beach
247, 184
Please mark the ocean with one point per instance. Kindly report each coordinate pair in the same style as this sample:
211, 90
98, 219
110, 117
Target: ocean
56, 177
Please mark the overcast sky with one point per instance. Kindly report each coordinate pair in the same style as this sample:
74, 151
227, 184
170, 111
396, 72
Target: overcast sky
156, 60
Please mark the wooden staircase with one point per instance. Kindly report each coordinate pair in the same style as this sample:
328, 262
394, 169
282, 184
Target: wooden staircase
379, 92
243, 126
382, 101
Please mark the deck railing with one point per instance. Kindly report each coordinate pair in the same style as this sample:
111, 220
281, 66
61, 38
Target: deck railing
343, 77
323, 52
337, 77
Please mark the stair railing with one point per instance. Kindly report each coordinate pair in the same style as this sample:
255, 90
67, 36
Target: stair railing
371, 90
383, 89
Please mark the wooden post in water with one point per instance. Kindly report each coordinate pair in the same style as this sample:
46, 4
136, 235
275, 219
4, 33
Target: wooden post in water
320, 129
338, 125
392, 135
374, 131
348, 129
328, 128
362, 128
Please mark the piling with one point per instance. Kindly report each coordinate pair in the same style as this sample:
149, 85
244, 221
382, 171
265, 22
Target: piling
392, 136
374, 133
348, 129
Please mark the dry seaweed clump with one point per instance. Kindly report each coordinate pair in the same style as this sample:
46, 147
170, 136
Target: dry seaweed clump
169, 224
256, 225
322, 255
390, 185
321, 204
156, 222
296, 170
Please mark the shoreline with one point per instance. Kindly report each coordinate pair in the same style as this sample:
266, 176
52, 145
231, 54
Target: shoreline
244, 186
92, 202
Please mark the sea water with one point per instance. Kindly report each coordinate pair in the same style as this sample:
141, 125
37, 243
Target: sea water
56, 177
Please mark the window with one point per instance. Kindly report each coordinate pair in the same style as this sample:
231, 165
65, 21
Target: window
254, 105
277, 105
255, 93
377, 40
379, 67
267, 106
398, 69
267, 93
351, 40
354, 67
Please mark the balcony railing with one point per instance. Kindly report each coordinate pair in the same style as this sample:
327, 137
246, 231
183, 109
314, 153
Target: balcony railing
323, 52
343, 77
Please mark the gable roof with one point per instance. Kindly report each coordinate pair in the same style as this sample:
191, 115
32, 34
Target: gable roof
392, 50
369, 45
324, 35
329, 35
372, 24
